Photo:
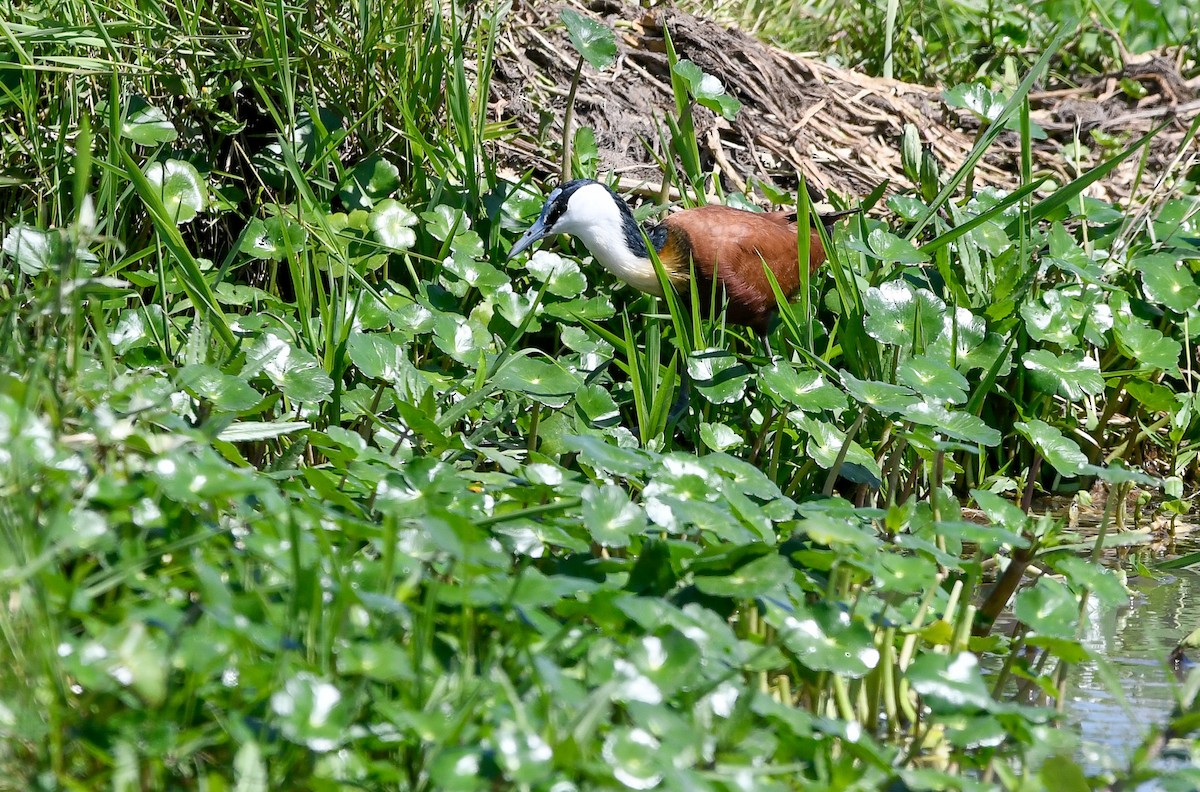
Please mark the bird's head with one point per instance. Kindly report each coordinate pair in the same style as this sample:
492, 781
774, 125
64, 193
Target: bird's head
581, 208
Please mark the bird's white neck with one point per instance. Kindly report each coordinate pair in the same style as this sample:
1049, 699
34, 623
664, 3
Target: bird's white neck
609, 246
606, 227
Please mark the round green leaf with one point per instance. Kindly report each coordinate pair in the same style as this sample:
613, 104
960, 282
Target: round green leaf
934, 379
825, 638
610, 517
147, 125
597, 405
225, 391
882, 396
562, 276
1166, 283
371, 180
708, 90
293, 370
806, 389
718, 375
759, 577
182, 190
958, 425
1071, 375
29, 247
1057, 449
593, 40
1147, 345
1049, 608
548, 383
312, 712
273, 238
392, 223
896, 312
460, 338
719, 437
950, 684
887, 246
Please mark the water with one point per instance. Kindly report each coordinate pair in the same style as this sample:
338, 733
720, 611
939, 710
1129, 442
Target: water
1135, 639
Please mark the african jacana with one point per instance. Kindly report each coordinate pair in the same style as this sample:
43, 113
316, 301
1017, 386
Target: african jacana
722, 242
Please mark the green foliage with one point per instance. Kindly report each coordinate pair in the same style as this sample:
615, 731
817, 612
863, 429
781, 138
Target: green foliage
303, 485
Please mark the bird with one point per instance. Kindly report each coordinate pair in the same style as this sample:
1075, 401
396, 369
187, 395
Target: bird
717, 242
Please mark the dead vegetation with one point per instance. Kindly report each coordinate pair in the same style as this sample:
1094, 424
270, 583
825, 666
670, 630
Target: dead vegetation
840, 128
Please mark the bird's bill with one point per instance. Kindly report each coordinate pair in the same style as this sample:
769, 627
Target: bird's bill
535, 232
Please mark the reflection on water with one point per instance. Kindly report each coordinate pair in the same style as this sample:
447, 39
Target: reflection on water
1135, 640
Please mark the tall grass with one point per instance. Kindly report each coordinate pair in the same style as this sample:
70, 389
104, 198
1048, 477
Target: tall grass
312, 489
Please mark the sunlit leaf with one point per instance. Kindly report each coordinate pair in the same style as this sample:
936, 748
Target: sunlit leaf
147, 125
610, 517
548, 383
1166, 283
179, 185
953, 423
754, 579
1048, 607
807, 389
934, 379
1070, 375
225, 391
950, 684
708, 90
718, 375
593, 40
896, 312
392, 224
1059, 451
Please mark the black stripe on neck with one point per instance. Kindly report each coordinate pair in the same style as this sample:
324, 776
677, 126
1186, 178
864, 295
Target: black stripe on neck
633, 232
